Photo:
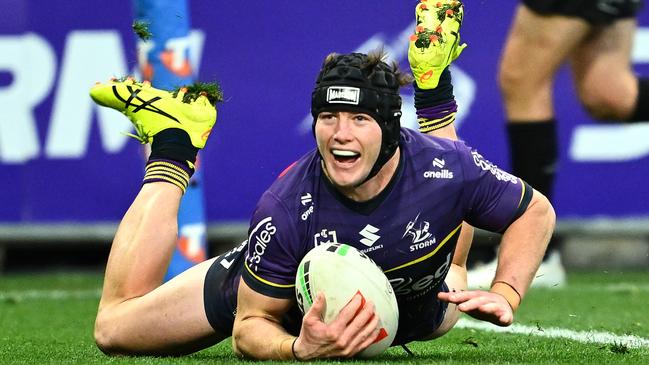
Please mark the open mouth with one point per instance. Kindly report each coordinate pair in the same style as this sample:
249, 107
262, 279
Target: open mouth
345, 156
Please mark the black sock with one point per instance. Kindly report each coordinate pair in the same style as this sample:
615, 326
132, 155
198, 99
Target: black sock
174, 144
641, 112
533, 151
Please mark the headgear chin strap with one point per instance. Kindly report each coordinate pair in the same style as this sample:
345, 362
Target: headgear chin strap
350, 83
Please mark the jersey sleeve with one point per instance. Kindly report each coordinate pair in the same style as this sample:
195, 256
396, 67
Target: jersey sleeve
272, 255
493, 197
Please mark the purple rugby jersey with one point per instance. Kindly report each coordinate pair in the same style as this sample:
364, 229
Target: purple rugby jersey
410, 230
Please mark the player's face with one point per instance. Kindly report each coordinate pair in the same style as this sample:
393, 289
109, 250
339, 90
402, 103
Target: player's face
349, 144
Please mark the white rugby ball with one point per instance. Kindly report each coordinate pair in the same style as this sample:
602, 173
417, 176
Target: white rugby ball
340, 271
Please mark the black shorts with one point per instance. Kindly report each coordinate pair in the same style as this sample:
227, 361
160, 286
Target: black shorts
220, 294
595, 12
419, 319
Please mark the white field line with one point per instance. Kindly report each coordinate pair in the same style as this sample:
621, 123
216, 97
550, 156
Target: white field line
20, 295
553, 332
615, 287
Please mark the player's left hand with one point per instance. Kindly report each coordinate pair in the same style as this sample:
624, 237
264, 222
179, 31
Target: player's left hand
482, 305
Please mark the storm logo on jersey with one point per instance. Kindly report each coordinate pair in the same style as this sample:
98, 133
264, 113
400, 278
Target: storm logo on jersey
421, 238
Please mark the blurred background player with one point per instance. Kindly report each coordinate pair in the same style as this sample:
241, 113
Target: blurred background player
164, 58
595, 37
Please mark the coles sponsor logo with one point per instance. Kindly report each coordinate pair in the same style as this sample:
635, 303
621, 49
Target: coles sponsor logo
488, 166
259, 238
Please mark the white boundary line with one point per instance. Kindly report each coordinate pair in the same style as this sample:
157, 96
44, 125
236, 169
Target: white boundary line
615, 287
553, 332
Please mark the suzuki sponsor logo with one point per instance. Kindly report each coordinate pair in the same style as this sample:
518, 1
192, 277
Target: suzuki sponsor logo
369, 238
343, 95
369, 234
324, 236
259, 238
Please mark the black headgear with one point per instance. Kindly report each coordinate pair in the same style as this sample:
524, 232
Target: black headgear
351, 83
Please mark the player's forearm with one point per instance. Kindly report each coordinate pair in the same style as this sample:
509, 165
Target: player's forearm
523, 245
261, 339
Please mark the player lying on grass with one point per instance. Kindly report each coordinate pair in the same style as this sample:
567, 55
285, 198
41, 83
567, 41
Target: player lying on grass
395, 194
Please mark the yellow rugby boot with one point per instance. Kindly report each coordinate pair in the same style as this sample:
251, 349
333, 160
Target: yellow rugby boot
436, 42
153, 110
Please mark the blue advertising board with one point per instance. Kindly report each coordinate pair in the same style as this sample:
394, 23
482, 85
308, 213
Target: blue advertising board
62, 159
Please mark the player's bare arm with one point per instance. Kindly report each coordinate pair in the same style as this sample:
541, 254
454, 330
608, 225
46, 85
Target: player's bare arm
258, 334
521, 253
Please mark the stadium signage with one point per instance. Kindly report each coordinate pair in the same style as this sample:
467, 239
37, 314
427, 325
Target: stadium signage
70, 120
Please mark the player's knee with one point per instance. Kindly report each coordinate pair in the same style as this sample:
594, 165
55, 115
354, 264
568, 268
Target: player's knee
515, 84
508, 80
607, 100
603, 105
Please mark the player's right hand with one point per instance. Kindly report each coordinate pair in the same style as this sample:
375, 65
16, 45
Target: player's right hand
354, 329
482, 305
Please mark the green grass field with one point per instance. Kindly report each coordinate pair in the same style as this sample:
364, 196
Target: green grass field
48, 319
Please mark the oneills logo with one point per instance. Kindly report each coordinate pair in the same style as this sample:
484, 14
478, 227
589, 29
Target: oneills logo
343, 95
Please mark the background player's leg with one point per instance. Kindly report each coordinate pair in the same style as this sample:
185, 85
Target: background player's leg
136, 315
601, 64
536, 47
